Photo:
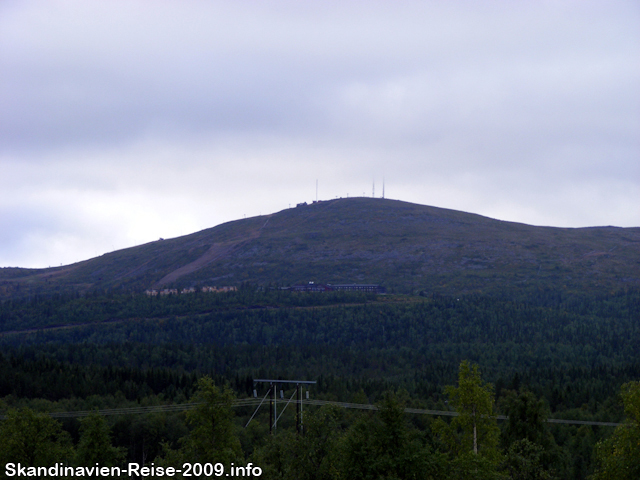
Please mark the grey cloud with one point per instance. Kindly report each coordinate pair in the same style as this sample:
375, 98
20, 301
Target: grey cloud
494, 107
112, 75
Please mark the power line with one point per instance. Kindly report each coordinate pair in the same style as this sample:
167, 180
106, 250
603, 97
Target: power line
248, 402
446, 413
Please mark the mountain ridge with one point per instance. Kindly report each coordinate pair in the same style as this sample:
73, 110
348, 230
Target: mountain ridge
406, 247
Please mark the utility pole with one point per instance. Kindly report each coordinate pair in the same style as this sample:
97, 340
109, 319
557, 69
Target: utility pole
298, 410
272, 393
271, 397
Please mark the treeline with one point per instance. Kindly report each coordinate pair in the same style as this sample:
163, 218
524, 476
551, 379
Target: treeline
40, 311
393, 337
44, 378
55, 372
75, 352
334, 443
574, 352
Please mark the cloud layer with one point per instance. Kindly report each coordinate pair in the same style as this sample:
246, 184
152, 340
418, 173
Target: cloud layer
124, 121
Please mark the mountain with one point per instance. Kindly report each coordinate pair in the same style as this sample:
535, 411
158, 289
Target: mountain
405, 247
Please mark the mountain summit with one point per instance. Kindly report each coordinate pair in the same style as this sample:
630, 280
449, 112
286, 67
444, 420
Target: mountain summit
405, 247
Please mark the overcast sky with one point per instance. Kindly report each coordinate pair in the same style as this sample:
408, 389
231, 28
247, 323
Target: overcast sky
125, 121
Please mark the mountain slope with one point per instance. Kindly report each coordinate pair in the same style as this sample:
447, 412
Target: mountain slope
404, 246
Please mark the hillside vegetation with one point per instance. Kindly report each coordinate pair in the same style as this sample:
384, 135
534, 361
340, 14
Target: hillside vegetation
565, 357
406, 247
549, 315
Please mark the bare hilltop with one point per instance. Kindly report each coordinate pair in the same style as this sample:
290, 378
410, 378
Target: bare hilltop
407, 248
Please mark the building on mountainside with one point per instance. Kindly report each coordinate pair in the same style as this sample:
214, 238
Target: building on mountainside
309, 287
169, 291
358, 287
350, 287
173, 291
219, 289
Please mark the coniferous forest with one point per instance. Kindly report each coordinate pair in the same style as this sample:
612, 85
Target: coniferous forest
503, 366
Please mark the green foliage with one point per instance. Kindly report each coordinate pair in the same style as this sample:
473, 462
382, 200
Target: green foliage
383, 446
527, 417
95, 445
212, 437
630, 394
313, 455
472, 437
531, 451
573, 352
523, 461
276, 455
503, 335
34, 440
74, 309
475, 429
618, 457
469, 466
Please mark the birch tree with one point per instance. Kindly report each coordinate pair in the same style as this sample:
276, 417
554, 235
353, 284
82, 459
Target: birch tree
618, 457
472, 436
